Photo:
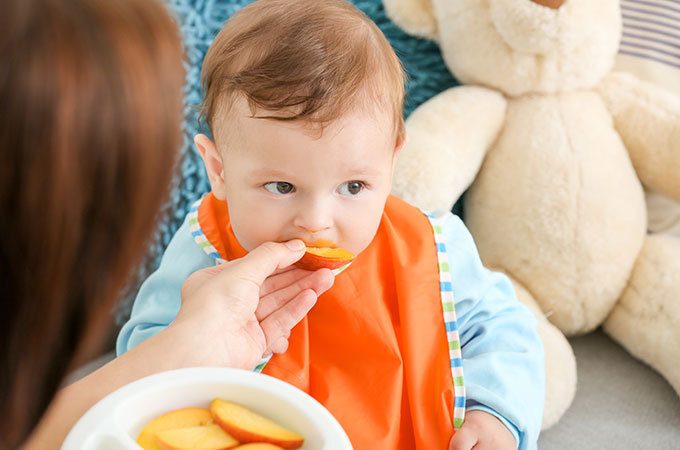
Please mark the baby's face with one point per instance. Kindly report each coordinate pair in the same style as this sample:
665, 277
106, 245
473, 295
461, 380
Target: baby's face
283, 181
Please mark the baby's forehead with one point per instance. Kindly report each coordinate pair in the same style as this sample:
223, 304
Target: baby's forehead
354, 143
235, 114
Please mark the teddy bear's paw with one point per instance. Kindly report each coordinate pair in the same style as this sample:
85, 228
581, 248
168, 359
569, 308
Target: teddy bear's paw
560, 373
414, 16
646, 320
447, 138
560, 362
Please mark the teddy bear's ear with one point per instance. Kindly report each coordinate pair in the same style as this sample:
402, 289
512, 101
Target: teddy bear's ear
414, 16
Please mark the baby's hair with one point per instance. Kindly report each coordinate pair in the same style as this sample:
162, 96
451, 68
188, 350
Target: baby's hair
310, 60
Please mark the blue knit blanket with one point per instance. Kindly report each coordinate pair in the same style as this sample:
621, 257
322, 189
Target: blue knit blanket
199, 22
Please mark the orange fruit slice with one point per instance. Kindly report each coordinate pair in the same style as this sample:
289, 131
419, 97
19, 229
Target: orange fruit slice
324, 257
179, 418
209, 437
248, 426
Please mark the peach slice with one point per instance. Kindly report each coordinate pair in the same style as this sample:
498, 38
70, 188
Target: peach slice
258, 446
209, 437
179, 418
324, 257
248, 426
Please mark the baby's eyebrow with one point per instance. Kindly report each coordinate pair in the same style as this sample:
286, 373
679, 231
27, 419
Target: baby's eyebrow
277, 174
269, 173
364, 170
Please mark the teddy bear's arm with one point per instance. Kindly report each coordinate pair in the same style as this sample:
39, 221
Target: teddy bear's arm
447, 138
648, 119
414, 16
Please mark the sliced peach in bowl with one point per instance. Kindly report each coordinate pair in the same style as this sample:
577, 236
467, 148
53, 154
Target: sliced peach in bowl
179, 418
324, 257
248, 426
258, 446
209, 437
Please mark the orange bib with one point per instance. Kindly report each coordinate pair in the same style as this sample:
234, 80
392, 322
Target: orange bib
380, 349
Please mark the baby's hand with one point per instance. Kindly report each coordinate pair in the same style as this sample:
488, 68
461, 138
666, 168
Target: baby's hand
482, 431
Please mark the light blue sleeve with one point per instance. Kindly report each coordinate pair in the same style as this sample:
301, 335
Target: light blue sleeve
159, 299
503, 359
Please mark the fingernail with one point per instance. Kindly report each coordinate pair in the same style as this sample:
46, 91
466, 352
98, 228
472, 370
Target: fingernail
295, 244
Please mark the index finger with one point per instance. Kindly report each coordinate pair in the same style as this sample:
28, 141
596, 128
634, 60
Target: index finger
282, 278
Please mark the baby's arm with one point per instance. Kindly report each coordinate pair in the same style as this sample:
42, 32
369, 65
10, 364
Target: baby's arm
159, 298
503, 360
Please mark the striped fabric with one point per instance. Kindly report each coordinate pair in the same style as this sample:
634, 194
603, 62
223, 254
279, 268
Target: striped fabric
651, 30
650, 50
450, 322
263, 362
198, 235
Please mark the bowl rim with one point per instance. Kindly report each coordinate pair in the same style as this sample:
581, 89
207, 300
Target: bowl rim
98, 419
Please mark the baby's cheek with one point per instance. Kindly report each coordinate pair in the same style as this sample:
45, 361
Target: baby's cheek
359, 234
251, 234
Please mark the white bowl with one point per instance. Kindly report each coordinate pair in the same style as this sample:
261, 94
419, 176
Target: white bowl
116, 420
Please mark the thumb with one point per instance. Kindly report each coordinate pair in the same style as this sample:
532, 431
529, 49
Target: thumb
261, 262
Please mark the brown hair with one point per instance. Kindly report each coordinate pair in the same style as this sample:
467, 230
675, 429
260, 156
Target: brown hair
90, 100
303, 59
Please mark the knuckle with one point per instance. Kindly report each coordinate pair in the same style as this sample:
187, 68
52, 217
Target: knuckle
251, 282
277, 325
282, 346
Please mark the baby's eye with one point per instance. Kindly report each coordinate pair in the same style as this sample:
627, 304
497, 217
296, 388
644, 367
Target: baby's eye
279, 187
351, 188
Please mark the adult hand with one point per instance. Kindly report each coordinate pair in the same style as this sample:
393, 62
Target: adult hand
482, 431
230, 316
234, 313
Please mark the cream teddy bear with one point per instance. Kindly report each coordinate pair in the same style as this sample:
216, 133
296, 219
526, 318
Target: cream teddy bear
554, 148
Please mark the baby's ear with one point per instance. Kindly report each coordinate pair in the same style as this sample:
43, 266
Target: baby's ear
399, 144
213, 164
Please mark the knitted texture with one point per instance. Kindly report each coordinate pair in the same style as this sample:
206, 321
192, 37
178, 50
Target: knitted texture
199, 22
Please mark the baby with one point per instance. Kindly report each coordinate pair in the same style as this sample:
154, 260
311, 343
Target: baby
416, 345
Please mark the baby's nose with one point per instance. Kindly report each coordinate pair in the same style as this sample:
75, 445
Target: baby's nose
554, 4
314, 219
